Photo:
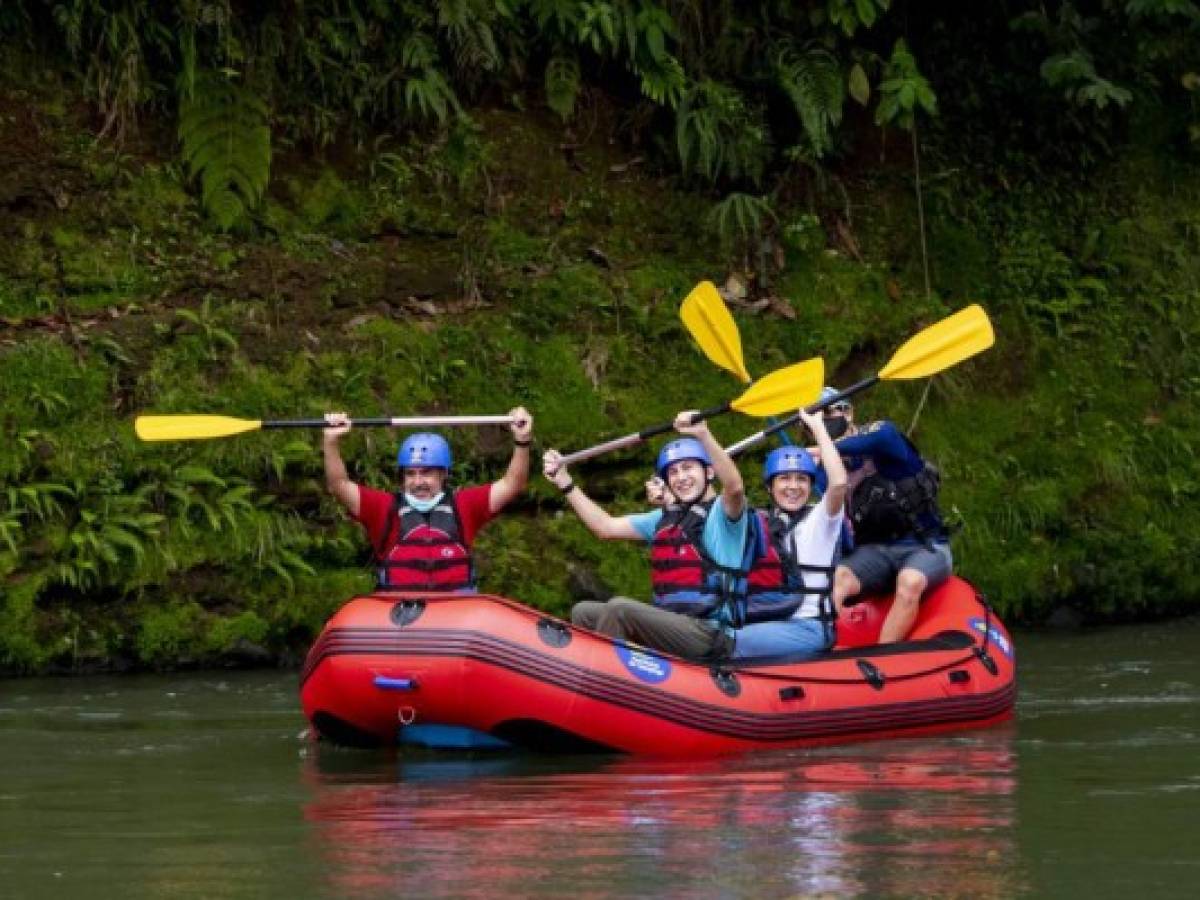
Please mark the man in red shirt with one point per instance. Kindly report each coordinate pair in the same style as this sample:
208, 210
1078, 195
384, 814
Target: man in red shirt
422, 535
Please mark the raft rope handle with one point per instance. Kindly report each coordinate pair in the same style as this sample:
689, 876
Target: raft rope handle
794, 679
981, 652
978, 652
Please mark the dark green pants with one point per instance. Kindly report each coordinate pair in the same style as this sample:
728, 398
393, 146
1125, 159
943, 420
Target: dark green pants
640, 623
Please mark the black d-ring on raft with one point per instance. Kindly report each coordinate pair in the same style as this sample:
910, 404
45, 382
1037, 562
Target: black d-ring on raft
727, 682
553, 633
406, 612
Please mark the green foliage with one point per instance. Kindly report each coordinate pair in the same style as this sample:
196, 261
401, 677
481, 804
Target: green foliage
197, 496
226, 145
43, 385
104, 540
332, 70
20, 649
114, 41
225, 633
329, 204
97, 270
562, 85
718, 134
851, 15
903, 90
1069, 450
813, 81
1075, 75
168, 634
740, 219
463, 158
804, 233
285, 563
663, 81
214, 339
426, 94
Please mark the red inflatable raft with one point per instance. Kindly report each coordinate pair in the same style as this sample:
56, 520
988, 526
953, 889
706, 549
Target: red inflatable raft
482, 671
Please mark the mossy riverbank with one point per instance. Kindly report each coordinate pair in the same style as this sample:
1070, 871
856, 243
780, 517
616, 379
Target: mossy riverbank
498, 264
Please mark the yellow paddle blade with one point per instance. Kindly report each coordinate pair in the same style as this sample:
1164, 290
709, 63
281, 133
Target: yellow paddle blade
783, 390
190, 428
710, 323
940, 346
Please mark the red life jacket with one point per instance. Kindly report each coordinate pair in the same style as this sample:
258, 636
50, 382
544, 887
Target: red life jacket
680, 571
425, 551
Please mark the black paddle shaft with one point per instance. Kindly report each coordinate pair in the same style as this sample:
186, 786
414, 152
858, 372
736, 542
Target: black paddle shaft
655, 430
321, 423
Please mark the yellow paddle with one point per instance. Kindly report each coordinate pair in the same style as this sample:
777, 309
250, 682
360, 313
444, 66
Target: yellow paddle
783, 389
710, 323
932, 350
708, 319
195, 428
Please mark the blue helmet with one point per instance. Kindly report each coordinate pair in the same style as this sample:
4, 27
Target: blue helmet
789, 459
827, 392
424, 451
683, 448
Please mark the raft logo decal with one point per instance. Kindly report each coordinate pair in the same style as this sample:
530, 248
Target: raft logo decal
646, 666
994, 635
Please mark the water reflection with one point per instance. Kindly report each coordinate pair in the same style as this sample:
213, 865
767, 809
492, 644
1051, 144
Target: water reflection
931, 817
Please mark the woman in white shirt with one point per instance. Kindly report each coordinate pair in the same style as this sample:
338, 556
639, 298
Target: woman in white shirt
809, 544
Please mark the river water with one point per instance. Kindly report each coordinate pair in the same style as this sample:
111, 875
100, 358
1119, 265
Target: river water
203, 785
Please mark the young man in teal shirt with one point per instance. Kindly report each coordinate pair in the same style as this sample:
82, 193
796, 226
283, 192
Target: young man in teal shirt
699, 548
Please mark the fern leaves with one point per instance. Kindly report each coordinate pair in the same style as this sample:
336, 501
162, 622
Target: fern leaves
226, 146
717, 133
427, 94
740, 218
813, 81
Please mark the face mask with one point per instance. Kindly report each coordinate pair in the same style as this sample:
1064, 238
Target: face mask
836, 426
423, 506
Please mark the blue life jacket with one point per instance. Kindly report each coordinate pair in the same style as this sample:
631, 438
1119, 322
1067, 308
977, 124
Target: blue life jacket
776, 587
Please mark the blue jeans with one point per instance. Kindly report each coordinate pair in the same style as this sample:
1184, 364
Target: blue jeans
799, 638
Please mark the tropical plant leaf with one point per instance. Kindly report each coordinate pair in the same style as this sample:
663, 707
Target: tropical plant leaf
227, 146
859, 86
813, 81
717, 134
739, 217
663, 81
903, 90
